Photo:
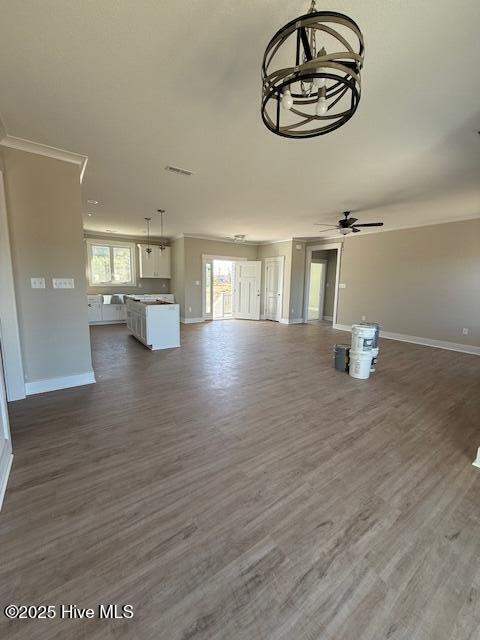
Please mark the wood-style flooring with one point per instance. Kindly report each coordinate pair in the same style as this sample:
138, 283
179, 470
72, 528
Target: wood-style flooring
239, 488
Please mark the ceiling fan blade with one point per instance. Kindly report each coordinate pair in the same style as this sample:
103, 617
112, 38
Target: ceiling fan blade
370, 224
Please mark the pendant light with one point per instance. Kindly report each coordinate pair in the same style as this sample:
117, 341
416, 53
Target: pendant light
148, 249
163, 242
319, 90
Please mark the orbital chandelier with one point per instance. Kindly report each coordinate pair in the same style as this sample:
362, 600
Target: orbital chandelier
311, 74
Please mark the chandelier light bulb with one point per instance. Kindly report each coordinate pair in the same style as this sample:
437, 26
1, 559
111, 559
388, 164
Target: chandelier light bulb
322, 106
287, 100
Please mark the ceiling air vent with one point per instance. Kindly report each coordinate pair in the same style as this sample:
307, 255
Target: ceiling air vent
178, 170
239, 238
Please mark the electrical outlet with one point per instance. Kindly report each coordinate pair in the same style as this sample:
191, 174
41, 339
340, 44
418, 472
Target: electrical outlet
37, 283
342, 285
164, 285
63, 283
465, 331
364, 318
197, 283
189, 309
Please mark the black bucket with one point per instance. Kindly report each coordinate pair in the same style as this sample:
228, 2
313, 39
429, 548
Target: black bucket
342, 357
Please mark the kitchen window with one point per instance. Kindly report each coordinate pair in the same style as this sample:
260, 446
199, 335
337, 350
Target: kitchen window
111, 263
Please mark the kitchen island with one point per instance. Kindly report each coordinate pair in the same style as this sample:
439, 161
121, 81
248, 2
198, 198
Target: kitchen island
154, 323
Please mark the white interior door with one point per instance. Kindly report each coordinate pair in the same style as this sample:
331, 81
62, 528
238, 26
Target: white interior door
5, 442
248, 277
274, 288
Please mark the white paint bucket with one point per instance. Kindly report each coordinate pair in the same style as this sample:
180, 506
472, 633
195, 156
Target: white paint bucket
360, 362
362, 337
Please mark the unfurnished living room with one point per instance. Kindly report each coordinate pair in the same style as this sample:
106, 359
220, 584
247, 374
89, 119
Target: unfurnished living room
239, 320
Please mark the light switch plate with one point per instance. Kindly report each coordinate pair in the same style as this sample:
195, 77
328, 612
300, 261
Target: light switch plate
342, 285
63, 283
37, 283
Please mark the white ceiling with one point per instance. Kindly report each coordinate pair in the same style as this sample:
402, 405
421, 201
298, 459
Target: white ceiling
139, 84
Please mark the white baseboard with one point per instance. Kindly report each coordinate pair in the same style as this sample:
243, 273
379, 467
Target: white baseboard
329, 318
53, 384
191, 320
100, 322
5, 466
292, 321
426, 342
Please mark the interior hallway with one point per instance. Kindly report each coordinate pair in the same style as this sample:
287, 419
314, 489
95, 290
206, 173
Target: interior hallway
240, 488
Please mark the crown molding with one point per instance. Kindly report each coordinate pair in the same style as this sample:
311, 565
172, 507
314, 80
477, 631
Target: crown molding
12, 142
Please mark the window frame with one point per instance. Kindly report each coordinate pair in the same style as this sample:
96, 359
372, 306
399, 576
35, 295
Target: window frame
100, 242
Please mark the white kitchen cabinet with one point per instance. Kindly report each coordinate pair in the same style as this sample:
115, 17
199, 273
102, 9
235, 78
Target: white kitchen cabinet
156, 264
156, 325
100, 313
94, 312
114, 313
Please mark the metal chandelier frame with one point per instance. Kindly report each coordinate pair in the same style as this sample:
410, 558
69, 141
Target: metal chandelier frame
339, 72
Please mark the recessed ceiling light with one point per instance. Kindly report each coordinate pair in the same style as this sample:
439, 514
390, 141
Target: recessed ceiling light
92, 201
89, 215
111, 230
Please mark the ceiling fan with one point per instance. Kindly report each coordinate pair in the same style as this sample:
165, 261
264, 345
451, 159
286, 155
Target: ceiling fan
348, 225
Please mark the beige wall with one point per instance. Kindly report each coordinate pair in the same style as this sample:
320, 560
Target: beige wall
195, 248
178, 273
144, 285
297, 281
422, 282
46, 235
275, 250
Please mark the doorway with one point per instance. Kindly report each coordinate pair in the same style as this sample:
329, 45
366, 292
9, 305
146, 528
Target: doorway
231, 288
316, 291
322, 273
222, 289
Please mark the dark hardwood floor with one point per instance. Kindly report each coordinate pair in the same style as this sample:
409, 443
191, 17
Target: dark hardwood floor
239, 488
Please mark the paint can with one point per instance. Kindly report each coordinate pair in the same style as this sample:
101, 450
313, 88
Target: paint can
342, 357
362, 338
360, 362
377, 331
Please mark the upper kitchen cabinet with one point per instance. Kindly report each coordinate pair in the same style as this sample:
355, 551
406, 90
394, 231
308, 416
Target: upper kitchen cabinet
156, 264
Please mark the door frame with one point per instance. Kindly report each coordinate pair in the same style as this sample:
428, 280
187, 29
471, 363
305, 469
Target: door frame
281, 260
337, 246
210, 258
9, 328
